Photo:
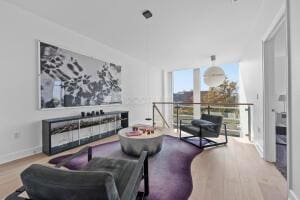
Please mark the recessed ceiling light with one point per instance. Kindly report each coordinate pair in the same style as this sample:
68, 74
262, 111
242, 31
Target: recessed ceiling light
147, 14
235, 1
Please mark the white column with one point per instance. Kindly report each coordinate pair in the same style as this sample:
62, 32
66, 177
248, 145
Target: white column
170, 99
196, 93
243, 98
168, 96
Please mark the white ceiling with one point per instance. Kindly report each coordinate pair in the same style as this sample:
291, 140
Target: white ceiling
181, 33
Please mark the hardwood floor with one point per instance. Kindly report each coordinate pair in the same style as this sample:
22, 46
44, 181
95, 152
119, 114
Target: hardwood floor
236, 172
232, 172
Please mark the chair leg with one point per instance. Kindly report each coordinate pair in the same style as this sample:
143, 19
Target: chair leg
200, 137
15, 195
180, 133
226, 139
200, 142
146, 177
180, 130
90, 153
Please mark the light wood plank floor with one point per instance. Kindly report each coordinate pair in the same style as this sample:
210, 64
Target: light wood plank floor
232, 172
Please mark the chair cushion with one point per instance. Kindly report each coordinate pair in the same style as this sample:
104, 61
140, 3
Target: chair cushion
214, 119
206, 125
120, 169
194, 130
48, 183
200, 122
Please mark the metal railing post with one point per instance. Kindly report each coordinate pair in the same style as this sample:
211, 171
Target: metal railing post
249, 122
153, 106
160, 114
177, 112
200, 110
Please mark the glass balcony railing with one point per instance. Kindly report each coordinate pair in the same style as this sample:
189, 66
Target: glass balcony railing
236, 116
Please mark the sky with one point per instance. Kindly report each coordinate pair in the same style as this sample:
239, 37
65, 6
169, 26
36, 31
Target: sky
183, 79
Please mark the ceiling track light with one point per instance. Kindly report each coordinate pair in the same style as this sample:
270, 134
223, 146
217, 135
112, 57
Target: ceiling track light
147, 14
235, 1
213, 59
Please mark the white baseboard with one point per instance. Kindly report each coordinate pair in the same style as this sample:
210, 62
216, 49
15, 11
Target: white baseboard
20, 154
259, 150
292, 195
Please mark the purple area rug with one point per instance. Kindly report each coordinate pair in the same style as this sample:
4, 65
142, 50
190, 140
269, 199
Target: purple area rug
169, 170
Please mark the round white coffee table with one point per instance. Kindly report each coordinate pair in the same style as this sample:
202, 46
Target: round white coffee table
134, 145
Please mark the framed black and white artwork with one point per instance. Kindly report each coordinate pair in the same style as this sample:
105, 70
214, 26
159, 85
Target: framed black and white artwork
69, 79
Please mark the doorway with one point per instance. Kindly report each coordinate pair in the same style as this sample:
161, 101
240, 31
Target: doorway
275, 60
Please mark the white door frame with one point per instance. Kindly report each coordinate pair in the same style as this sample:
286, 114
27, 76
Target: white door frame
269, 151
269, 138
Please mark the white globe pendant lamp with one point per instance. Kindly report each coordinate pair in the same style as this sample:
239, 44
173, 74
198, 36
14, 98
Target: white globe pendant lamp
214, 75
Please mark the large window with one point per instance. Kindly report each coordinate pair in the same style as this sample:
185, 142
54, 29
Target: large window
183, 93
220, 98
227, 92
183, 86
223, 97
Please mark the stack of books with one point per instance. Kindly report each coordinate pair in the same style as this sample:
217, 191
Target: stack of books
134, 133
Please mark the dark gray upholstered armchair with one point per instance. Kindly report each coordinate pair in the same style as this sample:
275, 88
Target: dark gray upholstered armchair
100, 179
209, 126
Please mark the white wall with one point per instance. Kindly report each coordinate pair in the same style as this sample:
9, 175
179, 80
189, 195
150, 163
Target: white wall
294, 17
18, 80
251, 67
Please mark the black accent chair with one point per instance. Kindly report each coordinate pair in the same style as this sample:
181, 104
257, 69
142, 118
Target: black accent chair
100, 179
209, 126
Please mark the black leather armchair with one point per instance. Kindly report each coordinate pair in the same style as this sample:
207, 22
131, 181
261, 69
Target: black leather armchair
100, 179
209, 126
